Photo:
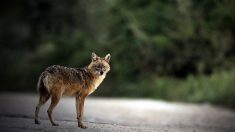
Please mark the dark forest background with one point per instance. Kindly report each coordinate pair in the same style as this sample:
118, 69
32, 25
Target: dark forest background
178, 50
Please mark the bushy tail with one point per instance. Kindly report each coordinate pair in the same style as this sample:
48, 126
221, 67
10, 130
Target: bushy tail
41, 86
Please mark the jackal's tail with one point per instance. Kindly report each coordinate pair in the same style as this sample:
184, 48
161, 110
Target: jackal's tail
41, 86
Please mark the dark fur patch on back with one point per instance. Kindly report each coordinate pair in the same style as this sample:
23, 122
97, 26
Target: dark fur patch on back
72, 75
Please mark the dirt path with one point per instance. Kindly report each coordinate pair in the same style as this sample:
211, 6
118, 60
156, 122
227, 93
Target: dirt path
113, 115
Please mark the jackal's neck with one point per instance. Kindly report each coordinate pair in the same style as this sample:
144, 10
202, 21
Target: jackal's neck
88, 70
95, 80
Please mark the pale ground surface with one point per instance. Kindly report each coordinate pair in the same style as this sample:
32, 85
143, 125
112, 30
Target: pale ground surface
114, 115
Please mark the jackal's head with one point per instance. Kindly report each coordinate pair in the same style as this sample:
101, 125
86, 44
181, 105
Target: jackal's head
99, 66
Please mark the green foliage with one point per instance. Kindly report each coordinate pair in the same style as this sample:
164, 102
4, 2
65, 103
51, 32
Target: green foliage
217, 88
187, 45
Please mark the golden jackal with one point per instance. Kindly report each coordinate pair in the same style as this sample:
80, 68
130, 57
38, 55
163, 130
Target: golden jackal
57, 80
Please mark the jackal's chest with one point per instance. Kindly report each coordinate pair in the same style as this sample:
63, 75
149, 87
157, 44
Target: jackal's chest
96, 83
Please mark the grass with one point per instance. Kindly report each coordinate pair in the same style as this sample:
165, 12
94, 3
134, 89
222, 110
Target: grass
218, 88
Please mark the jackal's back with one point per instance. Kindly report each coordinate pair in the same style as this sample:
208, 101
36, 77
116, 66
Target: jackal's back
67, 80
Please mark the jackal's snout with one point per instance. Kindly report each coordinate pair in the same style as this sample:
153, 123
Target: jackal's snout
101, 73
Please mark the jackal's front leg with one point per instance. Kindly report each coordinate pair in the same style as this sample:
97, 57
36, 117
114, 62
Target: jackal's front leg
79, 107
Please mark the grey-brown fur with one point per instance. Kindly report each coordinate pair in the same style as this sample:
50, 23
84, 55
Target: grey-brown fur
57, 80
70, 75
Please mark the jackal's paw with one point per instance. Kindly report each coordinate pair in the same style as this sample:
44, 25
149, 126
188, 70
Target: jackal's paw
82, 126
36, 122
55, 124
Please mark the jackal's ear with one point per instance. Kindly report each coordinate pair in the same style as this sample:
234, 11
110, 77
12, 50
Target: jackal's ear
93, 56
107, 57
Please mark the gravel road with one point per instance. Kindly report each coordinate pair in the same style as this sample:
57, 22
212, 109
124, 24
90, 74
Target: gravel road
114, 115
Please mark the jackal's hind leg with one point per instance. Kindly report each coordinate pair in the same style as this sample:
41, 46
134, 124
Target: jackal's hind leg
42, 100
54, 102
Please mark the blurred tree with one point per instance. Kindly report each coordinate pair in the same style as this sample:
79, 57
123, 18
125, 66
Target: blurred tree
146, 38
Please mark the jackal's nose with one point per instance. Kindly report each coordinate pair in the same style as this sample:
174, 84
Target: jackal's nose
101, 73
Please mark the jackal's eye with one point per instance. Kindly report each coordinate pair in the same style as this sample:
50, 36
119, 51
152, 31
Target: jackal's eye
97, 68
104, 68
